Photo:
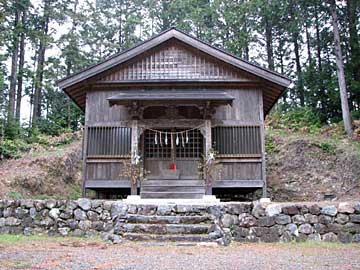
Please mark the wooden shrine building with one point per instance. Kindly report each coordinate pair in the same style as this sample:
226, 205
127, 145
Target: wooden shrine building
163, 105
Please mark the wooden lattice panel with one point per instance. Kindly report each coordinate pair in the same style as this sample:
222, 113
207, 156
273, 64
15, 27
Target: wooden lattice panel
108, 142
175, 61
237, 141
192, 147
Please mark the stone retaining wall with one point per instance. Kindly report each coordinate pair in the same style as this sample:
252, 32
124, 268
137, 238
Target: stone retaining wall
248, 222
295, 221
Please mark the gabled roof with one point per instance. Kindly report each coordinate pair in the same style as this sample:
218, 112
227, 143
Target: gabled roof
225, 56
76, 84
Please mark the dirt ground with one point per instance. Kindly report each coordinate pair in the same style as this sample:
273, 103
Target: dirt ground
72, 253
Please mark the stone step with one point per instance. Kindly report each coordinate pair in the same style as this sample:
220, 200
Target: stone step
173, 189
167, 228
167, 219
167, 237
172, 182
172, 195
181, 244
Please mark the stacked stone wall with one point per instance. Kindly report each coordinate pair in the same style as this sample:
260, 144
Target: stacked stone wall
244, 222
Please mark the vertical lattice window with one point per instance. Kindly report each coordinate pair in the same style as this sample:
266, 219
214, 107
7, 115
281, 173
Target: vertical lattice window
193, 148
235, 141
190, 144
108, 141
158, 148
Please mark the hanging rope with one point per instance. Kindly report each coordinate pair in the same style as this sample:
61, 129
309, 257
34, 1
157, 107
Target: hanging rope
174, 132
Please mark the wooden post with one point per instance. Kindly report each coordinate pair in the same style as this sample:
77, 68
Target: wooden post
263, 151
84, 154
207, 128
134, 151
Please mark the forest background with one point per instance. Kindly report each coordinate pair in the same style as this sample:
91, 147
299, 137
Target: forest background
42, 41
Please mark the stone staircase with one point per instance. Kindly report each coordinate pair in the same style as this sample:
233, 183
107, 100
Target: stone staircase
167, 224
172, 189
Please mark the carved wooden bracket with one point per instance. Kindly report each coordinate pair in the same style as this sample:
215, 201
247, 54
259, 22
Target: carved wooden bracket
207, 110
135, 111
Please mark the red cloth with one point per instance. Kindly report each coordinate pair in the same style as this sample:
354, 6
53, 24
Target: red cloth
172, 166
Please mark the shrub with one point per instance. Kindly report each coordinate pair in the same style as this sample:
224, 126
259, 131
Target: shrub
13, 148
296, 118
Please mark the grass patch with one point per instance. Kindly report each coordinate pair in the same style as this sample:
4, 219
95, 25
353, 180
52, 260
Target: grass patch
11, 239
14, 195
20, 264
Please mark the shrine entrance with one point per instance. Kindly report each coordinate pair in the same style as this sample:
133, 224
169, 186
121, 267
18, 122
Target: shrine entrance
172, 153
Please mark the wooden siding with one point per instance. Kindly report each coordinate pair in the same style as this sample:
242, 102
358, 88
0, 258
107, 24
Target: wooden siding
174, 60
188, 167
104, 170
99, 111
244, 108
241, 171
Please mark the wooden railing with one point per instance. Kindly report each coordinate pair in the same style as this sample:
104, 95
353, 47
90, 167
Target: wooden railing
237, 141
108, 142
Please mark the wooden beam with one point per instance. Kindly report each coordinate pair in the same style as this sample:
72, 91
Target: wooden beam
207, 137
107, 184
107, 160
238, 184
134, 150
124, 123
263, 150
240, 160
84, 165
234, 123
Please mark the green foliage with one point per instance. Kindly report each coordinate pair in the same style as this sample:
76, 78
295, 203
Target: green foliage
74, 192
11, 130
355, 115
327, 147
14, 195
269, 143
261, 31
13, 148
296, 118
24, 143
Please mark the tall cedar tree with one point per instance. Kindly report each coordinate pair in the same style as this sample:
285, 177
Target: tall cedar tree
340, 71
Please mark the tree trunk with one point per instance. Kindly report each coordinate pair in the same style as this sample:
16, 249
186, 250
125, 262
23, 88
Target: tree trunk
340, 72
269, 45
40, 65
21, 67
299, 86
321, 91
14, 67
281, 59
354, 46
308, 43
246, 49
318, 42
120, 33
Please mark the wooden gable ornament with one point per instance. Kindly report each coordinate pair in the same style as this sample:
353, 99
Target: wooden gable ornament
174, 56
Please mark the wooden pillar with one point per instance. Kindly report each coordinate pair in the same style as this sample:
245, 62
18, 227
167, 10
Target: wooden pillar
207, 137
263, 151
84, 154
134, 150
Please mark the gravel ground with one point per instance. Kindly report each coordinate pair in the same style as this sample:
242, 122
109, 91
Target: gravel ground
57, 253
